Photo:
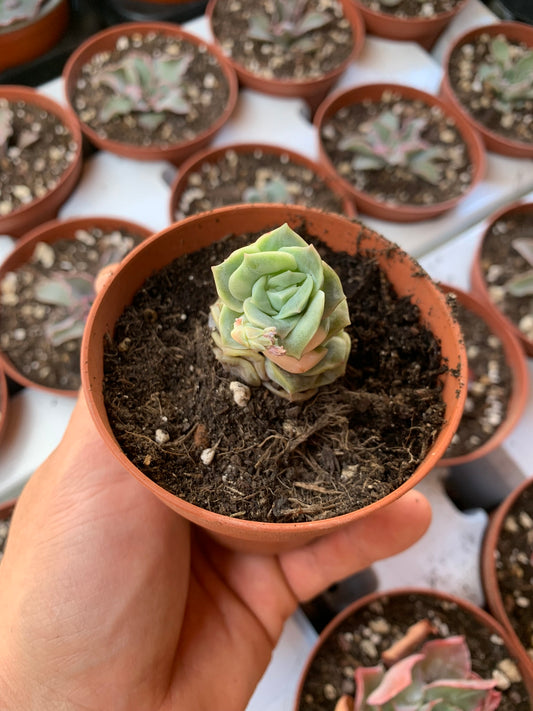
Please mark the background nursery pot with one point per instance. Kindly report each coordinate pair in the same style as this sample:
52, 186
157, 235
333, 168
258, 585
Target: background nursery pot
312, 89
516, 312
36, 211
515, 402
25, 40
50, 233
365, 629
397, 210
506, 567
499, 142
424, 30
318, 188
193, 233
113, 38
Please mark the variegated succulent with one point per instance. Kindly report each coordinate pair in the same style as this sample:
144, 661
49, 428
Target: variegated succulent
289, 24
388, 140
17, 10
522, 284
273, 190
23, 139
72, 292
507, 73
438, 677
280, 316
146, 86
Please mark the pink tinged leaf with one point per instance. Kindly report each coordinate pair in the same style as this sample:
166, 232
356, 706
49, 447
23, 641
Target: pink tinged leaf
367, 679
446, 659
472, 695
397, 679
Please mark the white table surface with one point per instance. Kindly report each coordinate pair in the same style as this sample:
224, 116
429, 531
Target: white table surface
117, 186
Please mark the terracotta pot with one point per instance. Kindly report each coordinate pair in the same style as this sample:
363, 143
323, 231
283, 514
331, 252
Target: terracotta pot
105, 41
198, 231
311, 90
23, 41
51, 232
515, 31
489, 576
486, 624
4, 401
384, 210
479, 285
19, 221
516, 361
211, 155
423, 30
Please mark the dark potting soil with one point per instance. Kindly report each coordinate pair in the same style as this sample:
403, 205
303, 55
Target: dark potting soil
168, 400
366, 634
500, 261
514, 566
318, 52
204, 87
513, 122
412, 8
396, 184
28, 323
240, 176
37, 152
490, 384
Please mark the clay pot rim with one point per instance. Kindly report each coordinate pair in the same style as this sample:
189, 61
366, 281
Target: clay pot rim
43, 11
410, 21
517, 361
385, 210
495, 141
4, 400
16, 92
477, 612
104, 38
302, 87
479, 286
218, 523
195, 161
489, 578
50, 232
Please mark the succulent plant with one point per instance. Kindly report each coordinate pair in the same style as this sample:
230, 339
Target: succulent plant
522, 284
280, 316
73, 292
6, 127
145, 85
437, 678
275, 190
16, 10
388, 141
290, 23
507, 74
24, 138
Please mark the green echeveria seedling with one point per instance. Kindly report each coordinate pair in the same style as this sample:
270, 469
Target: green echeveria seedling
280, 316
522, 284
289, 24
438, 678
16, 10
274, 190
508, 76
145, 85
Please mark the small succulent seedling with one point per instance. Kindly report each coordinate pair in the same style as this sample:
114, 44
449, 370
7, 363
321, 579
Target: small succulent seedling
280, 316
508, 76
275, 190
145, 85
389, 141
74, 293
17, 10
24, 137
522, 284
289, 24
438, 677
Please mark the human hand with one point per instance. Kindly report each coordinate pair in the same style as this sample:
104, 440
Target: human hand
110, 601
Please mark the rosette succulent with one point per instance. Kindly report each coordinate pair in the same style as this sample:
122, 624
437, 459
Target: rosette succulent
289, 24
280, 316
274, 190
522, 284
438, 678
508, 74
16, 10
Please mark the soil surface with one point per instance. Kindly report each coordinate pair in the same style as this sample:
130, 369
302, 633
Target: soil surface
490, 384
318, 52
500, 262
412, 8
514, 567
274, 460
36, 154
364, 635
514, 122
244, 176
204, 86
27, 322
397, 184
